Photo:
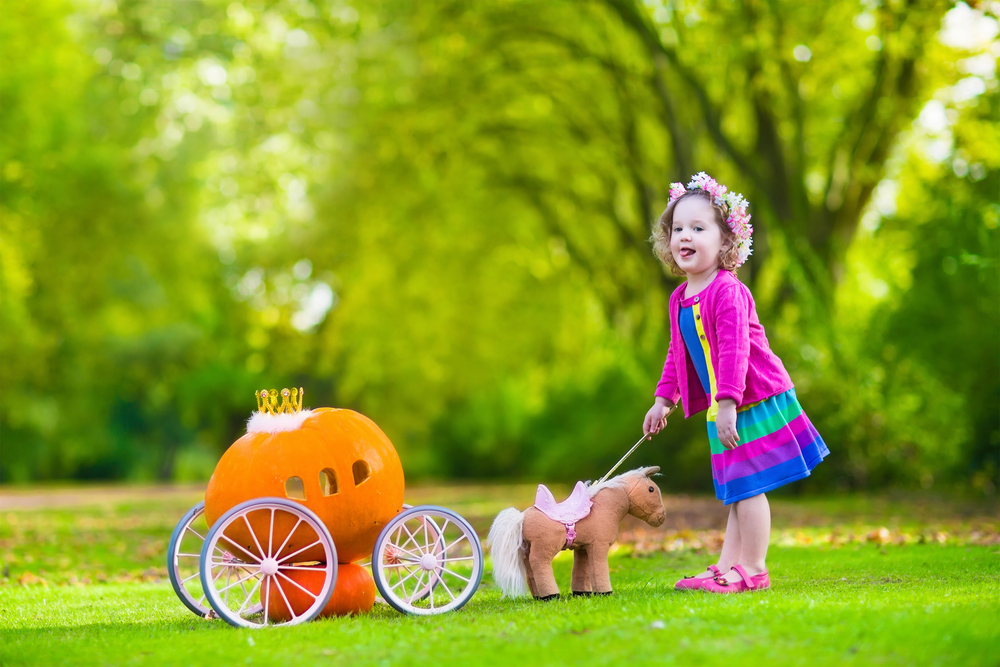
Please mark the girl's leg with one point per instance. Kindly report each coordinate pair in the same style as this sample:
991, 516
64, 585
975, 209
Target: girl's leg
730, 546
754, 515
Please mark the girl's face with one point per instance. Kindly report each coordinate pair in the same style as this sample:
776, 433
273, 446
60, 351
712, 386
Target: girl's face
695, 238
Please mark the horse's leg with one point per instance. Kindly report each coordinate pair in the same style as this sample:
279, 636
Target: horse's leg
547, 537
581, 572
527, 570
540, 559
599, 565
541, 567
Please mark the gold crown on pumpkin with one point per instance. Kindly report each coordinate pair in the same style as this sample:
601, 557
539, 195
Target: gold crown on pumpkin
291, 401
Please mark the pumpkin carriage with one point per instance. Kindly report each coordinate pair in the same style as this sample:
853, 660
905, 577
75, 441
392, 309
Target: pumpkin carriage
291, 511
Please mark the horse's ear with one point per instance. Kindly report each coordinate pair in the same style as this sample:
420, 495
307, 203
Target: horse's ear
652, 470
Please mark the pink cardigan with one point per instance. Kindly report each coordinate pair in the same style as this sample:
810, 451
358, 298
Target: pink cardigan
746, 370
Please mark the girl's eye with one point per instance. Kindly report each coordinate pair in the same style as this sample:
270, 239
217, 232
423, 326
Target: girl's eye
677, 229
697, 229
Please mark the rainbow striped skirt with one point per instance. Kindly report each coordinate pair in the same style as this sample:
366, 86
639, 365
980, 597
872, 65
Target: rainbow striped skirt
778, 445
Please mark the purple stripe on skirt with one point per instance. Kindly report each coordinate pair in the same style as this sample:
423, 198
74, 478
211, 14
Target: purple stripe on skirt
790, 450
763, 444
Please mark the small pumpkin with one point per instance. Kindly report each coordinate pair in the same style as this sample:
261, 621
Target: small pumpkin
353, 594
336, 462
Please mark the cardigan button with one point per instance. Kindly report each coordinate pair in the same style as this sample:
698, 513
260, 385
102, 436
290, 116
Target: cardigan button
696, 299
697, 317
703, 336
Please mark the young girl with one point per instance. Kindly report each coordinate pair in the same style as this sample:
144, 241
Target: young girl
719, 359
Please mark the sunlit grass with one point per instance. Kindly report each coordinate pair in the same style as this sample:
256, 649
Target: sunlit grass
906, 582
900, 605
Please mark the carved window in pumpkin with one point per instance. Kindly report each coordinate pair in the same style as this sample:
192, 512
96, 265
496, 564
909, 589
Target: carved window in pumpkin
294, 488
328, 482
361, 471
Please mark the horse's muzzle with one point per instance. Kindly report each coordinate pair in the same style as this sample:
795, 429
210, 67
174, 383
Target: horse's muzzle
657, 518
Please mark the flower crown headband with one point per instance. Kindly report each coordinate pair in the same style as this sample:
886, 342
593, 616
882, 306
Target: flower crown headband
738, 220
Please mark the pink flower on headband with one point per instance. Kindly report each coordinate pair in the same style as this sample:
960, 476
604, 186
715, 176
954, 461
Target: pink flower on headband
739, 218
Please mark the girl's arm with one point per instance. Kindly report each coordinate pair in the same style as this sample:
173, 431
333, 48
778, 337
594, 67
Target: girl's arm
732, 332
668, 386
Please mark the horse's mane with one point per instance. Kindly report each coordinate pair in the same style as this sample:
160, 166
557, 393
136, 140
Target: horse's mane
617, 482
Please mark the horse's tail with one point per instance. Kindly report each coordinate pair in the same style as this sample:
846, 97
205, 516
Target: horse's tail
504, 542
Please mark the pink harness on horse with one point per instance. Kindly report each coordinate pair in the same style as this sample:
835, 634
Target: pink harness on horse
569, 511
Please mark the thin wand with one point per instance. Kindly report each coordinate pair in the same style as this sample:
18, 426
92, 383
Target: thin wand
629, 452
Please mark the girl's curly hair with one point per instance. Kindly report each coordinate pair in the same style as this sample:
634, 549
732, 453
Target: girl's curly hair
663, 228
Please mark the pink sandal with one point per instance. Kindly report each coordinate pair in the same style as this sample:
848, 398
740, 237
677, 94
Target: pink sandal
694, 583
758, 582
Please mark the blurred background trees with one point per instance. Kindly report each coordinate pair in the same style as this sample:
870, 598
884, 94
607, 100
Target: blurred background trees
437, 214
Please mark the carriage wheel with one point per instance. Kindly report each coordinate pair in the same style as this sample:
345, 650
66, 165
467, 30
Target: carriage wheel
184, 560
268, 561
435, 531
427, 560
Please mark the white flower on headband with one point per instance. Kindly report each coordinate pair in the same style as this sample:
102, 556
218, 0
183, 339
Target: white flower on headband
738, 220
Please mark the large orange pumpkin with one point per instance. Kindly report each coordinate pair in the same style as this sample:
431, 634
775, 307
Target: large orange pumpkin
337, 463
354, 593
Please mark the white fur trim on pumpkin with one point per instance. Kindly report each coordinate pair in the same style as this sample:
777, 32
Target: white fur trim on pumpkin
261, 422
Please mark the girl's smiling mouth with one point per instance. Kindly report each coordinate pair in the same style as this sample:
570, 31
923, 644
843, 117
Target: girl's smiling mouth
687, 252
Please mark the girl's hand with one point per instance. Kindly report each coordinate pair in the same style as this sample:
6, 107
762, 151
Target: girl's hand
656, 418
725, 424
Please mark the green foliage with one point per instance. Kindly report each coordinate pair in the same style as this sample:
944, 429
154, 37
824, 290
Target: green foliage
437, 213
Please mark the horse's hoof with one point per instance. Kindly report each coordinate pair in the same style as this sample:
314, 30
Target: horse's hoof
585, 594
602, 592
547, 598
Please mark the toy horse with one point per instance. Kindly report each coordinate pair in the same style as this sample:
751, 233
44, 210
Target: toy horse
524, 543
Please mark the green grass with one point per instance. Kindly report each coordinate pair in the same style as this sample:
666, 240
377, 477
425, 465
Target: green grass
853, 602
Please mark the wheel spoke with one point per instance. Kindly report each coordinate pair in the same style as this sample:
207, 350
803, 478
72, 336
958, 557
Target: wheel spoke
403, 580
415, 556
449, 547
267, 602
270, 535
299, 586
455, 560
307, 568
249, 596
243, 580
440, 542
187, 579
227, 539
401, 576
445, 586
253, 535
188, 527
455, 574
216, 577
300, 551
412, 539
284, 597
289, 535
234, 584
409, 564
417, 585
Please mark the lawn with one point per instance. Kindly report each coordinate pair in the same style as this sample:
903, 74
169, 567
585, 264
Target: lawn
855, 581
